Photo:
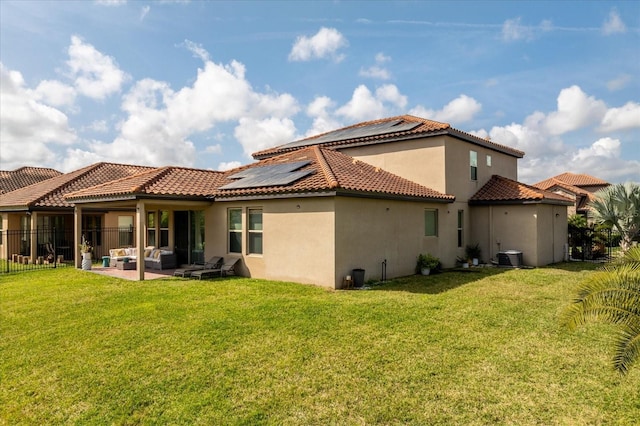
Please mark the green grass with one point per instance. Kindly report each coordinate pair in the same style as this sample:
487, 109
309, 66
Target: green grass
454, 348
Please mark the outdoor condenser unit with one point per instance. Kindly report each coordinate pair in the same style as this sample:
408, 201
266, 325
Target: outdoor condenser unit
510, 258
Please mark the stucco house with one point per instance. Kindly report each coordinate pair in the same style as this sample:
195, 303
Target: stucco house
372, 194
576, 186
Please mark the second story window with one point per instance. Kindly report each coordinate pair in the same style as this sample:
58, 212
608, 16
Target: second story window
473, 162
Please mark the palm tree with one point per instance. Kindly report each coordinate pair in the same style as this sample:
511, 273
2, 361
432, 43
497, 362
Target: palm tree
618, 206
612, 295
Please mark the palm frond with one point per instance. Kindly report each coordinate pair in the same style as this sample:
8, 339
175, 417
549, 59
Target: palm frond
627, 349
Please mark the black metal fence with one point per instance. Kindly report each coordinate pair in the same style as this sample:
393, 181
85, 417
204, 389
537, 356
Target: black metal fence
592, 244
55, 247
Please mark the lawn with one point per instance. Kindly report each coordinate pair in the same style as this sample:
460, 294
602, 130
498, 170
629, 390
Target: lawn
454, 348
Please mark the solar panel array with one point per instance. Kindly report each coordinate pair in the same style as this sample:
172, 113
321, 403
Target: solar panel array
271, 175
356, 132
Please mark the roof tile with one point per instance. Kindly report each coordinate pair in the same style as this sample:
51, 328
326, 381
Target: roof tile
51, 192
10, 180
332, 170
501, 189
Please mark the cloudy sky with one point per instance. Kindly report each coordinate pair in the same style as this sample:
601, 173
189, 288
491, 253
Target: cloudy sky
205, 84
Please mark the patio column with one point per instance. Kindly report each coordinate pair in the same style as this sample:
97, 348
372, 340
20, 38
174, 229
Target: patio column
140, 227
77, 235
34, 237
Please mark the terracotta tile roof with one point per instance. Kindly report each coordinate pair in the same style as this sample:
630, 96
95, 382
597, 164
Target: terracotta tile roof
10, 180
50, 193
348, 136
550, 183
502, 190
333, 171
169, 181
575, 180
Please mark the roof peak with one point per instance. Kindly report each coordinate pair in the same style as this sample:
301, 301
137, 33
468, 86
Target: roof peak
383, 130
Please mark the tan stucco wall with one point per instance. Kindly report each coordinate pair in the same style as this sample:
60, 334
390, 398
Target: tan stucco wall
419, 160
533, 229
298, 239
458, 170
440, 163
369, 231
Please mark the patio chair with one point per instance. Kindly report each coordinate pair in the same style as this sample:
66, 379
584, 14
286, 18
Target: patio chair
213, 263
226, 269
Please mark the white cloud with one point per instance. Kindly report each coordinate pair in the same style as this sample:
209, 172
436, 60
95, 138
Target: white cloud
29, 127
323, 45
99, 126
365, 105
605, 147
619, 82
613, 24
323, 120
144, 11
256, 135
228, 165
375, 71
513, 30
213, 149
625, 117
381, 58
95, 75
55, 93
575, 110
197, 50
160, 121
110, 2
461, 109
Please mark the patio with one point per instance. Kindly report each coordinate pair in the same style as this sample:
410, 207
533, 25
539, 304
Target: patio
132, 274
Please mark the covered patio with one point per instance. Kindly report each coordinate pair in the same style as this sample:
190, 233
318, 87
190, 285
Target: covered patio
132, 274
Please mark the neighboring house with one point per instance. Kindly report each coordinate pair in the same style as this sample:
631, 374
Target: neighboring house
10, 180
578, 187
373, 194
42, 206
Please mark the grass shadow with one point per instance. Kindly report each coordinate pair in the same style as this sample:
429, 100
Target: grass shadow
443, 281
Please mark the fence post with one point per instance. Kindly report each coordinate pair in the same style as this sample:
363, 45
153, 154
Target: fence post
55, 250
5, 241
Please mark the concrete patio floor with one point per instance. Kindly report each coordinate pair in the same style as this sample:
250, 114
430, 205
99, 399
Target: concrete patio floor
131, 275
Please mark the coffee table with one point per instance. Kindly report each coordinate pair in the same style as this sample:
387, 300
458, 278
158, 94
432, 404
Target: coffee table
125, 266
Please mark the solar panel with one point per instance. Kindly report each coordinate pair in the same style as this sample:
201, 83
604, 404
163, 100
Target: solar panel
357, 132
271, 175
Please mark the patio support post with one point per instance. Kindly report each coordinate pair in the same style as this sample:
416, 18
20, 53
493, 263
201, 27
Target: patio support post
141, 229
34, 237
77, 235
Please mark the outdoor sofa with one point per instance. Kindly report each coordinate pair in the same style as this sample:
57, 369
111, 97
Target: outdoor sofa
154, 258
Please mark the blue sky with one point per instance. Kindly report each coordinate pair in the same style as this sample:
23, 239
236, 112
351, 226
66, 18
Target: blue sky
205, 84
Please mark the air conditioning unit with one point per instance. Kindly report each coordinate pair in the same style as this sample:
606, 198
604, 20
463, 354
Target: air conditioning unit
510, 259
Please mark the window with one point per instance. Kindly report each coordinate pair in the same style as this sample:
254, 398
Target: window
431, 223
473, 162
164, 228
255, 231
91, 228
125, 231
488, 160
151, 229
460, 227
235, 230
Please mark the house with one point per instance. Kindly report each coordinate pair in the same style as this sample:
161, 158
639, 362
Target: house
41, 206
373, 195
578, 187
10, 180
